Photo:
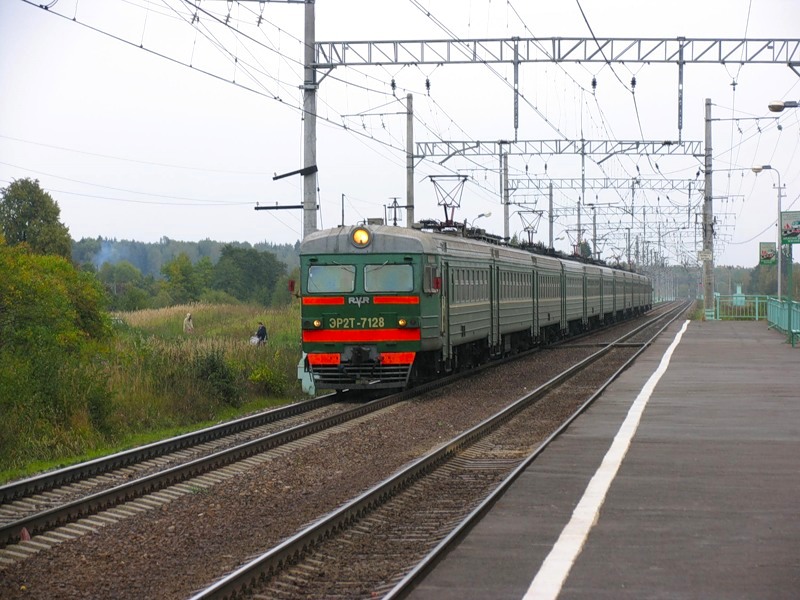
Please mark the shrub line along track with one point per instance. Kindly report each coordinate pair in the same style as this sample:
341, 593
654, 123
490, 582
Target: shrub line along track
286, 565
157, 486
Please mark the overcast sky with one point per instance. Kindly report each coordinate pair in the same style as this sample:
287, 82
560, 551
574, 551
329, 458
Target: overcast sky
126, 113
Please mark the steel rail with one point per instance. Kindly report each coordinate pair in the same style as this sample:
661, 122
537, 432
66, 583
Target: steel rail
426, 565
84, 507
52, 479
292, 549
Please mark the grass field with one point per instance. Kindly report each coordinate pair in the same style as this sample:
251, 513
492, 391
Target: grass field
158, 381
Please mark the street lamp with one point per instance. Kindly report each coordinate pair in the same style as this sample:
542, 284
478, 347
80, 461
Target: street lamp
758, 170
480, 216
779, 105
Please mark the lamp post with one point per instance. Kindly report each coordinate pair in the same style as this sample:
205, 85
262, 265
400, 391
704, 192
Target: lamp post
480, 216
779, 105
758, 170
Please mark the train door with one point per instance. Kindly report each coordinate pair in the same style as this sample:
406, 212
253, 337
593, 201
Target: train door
444, 311
602, 296
562, 275
494, 308
535, 303
585, 308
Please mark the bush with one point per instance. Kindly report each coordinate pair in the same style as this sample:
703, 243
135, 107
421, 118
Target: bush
218, 378
269, 380
54, 394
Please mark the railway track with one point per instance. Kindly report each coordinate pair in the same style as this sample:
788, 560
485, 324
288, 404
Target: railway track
377, 544
193, 485
39, 504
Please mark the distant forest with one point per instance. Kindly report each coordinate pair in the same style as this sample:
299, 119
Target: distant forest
139, 275
149, 257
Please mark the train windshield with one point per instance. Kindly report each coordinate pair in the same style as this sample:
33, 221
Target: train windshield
331, 278
388, 278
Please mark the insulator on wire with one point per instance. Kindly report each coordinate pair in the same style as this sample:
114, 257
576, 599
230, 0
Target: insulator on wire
394, 86
594, 83
428, 85
633, 83
261, 5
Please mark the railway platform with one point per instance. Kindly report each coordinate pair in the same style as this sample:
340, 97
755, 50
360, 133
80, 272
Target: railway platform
687, 486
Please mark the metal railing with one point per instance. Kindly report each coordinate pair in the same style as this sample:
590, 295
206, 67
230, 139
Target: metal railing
740, 307
785, 317
781, 315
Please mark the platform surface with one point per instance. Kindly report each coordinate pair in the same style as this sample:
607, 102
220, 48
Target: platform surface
705, 503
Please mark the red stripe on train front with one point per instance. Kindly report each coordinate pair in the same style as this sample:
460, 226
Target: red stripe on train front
327, 300
361, 335
395, 300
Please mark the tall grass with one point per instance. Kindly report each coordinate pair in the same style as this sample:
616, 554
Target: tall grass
152, 378
170, 374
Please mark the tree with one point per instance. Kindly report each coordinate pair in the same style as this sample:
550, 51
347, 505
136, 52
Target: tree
52, 377
29, 215
181, 280
247, 274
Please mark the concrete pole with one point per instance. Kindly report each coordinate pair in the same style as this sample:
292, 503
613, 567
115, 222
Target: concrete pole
409, 161
708, 224
780, 242
628, 245
583, 191
309, 125
644, 228
505, 198
550, 218
633, 197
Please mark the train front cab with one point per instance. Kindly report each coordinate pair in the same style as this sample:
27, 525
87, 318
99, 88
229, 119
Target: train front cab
364, 309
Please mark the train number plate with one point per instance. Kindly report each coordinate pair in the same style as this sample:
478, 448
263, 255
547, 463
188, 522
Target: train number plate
356, 322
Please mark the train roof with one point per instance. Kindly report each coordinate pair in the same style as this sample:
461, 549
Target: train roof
388, 240
384, 239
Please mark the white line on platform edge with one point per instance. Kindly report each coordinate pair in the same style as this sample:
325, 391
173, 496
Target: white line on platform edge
556, 567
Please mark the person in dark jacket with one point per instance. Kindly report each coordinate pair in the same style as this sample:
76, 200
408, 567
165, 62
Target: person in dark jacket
261, 334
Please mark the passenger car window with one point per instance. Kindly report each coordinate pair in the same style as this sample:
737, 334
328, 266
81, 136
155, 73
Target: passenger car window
388, 278
331, 278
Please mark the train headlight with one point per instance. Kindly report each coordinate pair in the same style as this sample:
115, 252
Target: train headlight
401, 322
317, 323
361, 237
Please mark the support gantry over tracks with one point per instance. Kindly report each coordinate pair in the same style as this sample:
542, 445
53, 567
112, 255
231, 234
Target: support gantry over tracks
516, 50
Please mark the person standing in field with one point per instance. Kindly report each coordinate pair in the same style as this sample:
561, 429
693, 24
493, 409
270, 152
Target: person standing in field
261, 334
188, 325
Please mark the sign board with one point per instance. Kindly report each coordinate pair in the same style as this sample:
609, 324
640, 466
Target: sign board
705, 255
790, 227
768, 255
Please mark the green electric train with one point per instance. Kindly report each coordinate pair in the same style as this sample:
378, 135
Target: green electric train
389, 307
